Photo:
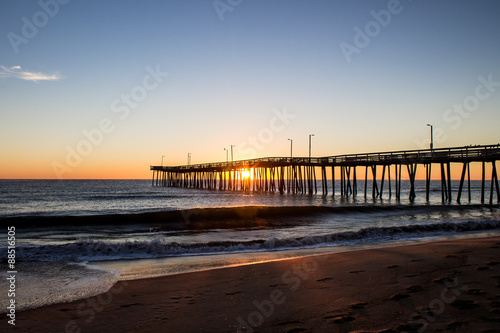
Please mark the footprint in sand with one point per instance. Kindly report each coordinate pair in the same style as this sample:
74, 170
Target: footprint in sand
475, 292
442, 280
495, 304
296, 330
340, 319
497, 277
426, 310
295, 322
129, 305
411, 276
355, 306
456, 324
464, 304
410, 327
482, 268
495, 311
355, 272
398, 297
325, 279
414, 289
393, 266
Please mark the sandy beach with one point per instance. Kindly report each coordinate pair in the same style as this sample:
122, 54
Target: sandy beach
450, 286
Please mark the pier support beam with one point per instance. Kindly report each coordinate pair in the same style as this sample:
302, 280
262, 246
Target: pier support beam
382, 181
412, 171
324, 181
375, 191
427, 181
333, 181
366, 179
462, 178
483, 173
397, 181
494, 181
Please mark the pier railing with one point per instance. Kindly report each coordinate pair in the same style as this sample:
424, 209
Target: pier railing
440, 155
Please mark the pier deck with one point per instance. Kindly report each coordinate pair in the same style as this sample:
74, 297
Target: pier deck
298, 174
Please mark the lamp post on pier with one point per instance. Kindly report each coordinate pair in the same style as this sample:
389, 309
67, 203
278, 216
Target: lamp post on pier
162, 159
310, 135
291, 148
227, 152
189, 158
432, 136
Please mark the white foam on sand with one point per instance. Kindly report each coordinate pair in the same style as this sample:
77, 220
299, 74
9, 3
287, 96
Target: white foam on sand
43, 283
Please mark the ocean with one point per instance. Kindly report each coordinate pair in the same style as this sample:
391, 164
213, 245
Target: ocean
76, 238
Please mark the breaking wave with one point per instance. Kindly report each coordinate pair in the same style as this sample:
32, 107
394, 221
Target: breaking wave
89, 249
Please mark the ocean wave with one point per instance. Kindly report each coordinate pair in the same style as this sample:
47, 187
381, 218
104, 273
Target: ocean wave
216, 217
128, 196
89, 249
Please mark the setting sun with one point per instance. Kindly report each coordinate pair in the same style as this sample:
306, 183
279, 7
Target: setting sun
246, 174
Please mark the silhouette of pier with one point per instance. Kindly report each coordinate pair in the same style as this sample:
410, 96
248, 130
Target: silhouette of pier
297, 175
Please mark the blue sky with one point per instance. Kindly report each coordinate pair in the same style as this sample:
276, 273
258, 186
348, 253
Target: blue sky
229, 78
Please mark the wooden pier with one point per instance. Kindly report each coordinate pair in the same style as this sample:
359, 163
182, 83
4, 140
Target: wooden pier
297, 175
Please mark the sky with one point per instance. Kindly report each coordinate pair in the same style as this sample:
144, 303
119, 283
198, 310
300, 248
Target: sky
93, 89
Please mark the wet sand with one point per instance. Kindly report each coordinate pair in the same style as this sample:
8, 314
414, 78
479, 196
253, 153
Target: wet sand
450, 286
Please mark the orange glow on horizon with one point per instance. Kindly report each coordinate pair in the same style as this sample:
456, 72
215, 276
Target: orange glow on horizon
138, 168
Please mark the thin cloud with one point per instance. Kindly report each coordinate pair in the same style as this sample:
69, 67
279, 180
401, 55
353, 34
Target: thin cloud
18, 73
